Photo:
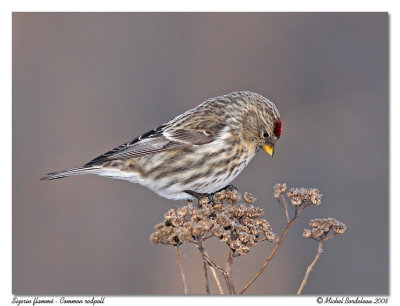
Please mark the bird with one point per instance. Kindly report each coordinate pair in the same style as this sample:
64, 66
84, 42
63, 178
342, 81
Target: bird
198, 152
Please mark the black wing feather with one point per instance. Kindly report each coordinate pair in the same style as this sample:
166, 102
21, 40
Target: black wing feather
106, 156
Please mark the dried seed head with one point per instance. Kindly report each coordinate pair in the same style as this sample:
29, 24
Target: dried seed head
226, 236
197, 230
223, 220
303, 192
205, 224
242, 227
265, 226
229, 200
219, 196
159, 226
184, 235
247, 222
255, 230
156, 237
167, 230
279, 188
315, 191
316, 199
320, 228
182, 211
252, 241
204, 201
326, 228
244, 250
259, 221
254, 212
188, 226
192, 211
270, 236
217, 230
177, 221
235, 196
173, 239
296, 201
315, 223
169, 215
244, 237
307, 233
249, 198
217, 206
236, 245
199, 215
317, 232
240, 210
291, 193
237, 225
339, 228
207, 207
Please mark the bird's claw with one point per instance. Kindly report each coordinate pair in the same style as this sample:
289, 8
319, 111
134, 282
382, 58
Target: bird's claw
200, 196
229, 188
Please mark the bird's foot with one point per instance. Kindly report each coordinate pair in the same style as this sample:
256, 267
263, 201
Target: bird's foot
210, 196
229, 188
200, 196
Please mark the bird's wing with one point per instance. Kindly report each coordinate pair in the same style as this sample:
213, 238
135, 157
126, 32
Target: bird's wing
158, 140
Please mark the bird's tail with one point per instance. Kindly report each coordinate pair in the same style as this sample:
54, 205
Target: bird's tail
68, 172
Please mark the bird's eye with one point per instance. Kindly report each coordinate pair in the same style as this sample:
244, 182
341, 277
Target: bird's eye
265, 135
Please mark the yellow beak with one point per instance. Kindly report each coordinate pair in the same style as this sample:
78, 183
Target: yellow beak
269, 149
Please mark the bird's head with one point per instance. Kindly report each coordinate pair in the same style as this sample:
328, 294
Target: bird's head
271, 136
262, 124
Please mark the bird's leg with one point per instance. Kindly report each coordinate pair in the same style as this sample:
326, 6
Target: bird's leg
199, 196
210, 196
228, 188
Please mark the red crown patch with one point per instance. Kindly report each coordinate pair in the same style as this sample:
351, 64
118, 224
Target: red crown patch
278, 128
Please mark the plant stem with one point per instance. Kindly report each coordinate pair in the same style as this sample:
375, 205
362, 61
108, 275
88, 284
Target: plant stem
212, 264
210, 261
286, 210
178, 261
280, 203
319, 251
201, 249
225, 273
214, 273
270, 256
229, 272
329, 237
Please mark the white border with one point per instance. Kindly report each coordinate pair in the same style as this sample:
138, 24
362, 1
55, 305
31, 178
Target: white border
205, 5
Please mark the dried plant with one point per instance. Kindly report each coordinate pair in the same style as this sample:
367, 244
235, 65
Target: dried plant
239, 225
320, 230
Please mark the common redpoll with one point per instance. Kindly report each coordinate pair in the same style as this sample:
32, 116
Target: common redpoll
198, 152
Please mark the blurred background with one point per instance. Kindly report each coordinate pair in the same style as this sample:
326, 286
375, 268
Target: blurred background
84, 83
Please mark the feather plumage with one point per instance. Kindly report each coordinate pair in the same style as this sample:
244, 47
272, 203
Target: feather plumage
202, 150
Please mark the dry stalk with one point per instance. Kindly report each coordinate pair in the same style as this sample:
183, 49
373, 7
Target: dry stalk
229, 272
178, 262
301, 198
269, 257
319, 252
201, 249
284, 207
225, 272
319, 231
214, 273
